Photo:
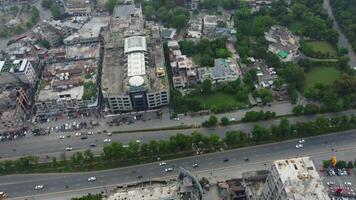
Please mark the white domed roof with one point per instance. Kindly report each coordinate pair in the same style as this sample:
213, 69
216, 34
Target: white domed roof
136, 81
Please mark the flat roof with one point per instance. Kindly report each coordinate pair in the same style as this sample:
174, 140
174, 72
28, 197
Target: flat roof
136, 64
124, 10
300, 179
135, 43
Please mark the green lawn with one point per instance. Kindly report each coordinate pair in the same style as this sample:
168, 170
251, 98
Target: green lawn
325, 75
218, 99
323, 47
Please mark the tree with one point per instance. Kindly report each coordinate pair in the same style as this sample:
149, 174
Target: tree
326, 163
89, 197
265, 94
259, 133
225, 121
212, 121
55, 10
206, 86
44, 43
35, 15
298, 110
294, 75
88, 156
110, 5
311, 109
46, 3
179, 21
350, 165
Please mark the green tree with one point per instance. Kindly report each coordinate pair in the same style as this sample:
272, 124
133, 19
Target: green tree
46, 3
206, 86
350, 165
298, 110
35, 15
44, 43
110, 5
265, 94
55, 10
225, 121
326, 163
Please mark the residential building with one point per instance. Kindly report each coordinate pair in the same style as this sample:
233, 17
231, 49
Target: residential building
183, 68
17, 70
283, 43
11, 120
127, 20
293, 179
77, 7
210, 23
224, 70
168, 33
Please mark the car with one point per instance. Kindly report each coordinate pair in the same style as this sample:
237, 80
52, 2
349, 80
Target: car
90, 133
298, 146
330, 183
91, 179
226, 160
246, 159
195, 165
138, 141
170, 169
301, 141
61, 137
78, 134
84, 137
92, 145
232, 119
348, 183
139, 177
107, 140
69, 148
109, 134
162, 163
39, 187
176, 119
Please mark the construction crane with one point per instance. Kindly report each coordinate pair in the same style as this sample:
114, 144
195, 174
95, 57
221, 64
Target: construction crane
333, 161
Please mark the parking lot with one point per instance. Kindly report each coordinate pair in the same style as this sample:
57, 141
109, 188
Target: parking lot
340, 183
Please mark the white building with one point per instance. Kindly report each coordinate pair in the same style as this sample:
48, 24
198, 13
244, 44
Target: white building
224, 70
210, 23
294, 179
18, 69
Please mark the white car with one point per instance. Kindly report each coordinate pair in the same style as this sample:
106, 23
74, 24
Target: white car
90, 133
301, 141
107, 140
91, 179
298, 146
162, 163
109, 134
348, 183
232, 119
168, 169
330, 183
176, 119
138, 141
61, 137
195, 165
69, 148
38, 187
78, 134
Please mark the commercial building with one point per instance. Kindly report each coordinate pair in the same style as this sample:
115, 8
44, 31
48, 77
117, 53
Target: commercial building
134, 76
77, 7
283, 43
224, 70
89, 33
293, 179
68, 87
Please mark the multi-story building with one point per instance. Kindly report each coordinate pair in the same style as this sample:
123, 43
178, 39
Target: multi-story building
77, 7
17, 70
134, 75
294, 179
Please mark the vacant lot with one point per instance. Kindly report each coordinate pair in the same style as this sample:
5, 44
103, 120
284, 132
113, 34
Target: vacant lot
218, 100
324, 75
323, 47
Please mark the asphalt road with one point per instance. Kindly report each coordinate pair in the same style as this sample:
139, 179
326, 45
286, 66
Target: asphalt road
52, 146
23, 185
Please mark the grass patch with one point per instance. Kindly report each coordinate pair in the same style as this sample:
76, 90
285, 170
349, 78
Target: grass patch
323, 47
218, 99
324, 75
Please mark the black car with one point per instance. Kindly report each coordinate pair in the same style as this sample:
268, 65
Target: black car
226, 160
84, 137
246, 159
92, 145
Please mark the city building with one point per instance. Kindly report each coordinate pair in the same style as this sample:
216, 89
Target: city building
17, 70
68, 87
89, 33
224, 70
183, 68
77, 7
293, 179
210, 23
283, 43
126, 20
168, 33
134, 76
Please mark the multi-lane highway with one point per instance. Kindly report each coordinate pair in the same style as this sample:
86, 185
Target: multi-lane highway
52, 146
21, 186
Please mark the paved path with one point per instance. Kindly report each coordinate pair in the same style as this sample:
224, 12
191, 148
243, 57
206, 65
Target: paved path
343, 41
